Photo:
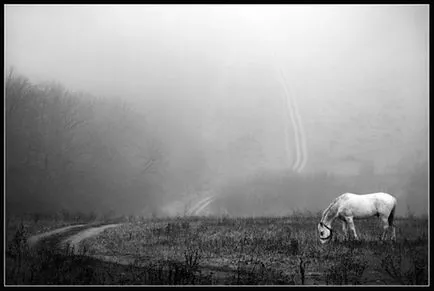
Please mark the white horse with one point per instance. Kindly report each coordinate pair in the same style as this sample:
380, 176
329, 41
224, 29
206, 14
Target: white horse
348, 206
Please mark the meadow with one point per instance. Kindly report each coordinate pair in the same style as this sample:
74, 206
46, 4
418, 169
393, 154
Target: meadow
228, 251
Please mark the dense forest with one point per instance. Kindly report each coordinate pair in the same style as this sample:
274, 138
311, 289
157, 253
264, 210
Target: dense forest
76, 151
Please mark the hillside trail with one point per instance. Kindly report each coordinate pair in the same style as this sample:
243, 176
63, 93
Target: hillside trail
71, 236
74, 241
33, 240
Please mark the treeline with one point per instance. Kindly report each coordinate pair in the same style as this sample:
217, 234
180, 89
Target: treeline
71, 150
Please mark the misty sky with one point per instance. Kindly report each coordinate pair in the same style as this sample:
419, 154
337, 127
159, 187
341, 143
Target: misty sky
116, 49
344, 60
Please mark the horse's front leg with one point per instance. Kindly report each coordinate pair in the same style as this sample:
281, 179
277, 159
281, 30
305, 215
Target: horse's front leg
345, 229
352, 227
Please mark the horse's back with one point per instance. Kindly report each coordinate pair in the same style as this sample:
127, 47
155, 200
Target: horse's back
367, 204
380, 195
386, 197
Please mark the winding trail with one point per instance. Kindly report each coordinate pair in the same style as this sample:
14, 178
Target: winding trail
33, 240
71, 236
75, 240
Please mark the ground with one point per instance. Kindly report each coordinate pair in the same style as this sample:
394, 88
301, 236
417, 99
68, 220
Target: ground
222, 251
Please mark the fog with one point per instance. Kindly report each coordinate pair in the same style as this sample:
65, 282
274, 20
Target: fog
289, 104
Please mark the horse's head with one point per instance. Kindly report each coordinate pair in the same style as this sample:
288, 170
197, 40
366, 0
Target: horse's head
325, 232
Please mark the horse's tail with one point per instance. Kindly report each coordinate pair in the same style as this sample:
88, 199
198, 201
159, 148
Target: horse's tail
391, 216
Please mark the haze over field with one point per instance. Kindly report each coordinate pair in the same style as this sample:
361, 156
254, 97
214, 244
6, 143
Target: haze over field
218, 94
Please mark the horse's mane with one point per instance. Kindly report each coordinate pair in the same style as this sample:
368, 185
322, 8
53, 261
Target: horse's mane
325, 212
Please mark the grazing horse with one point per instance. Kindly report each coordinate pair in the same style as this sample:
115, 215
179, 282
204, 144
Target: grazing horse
348, 206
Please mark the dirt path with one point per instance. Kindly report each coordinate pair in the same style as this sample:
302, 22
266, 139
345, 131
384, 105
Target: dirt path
75, 240
34, 239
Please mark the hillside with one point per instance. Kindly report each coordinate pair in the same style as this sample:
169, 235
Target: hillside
345, 127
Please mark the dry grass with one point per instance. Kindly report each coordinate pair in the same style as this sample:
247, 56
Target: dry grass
255, 250
241, 251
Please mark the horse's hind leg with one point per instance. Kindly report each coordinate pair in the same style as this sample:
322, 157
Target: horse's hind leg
393, 230
385, 227
393, 233
352, 227
390, 221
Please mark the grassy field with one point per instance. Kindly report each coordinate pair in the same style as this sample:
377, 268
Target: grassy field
223, 251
